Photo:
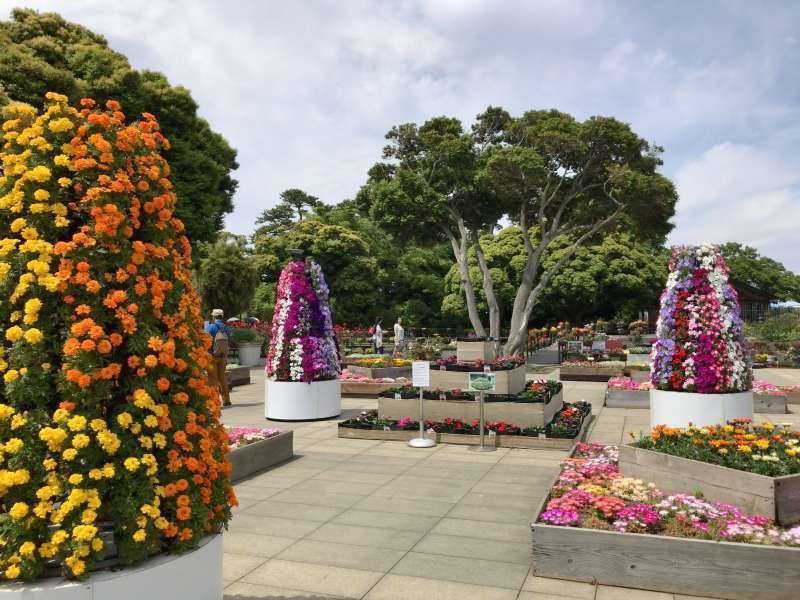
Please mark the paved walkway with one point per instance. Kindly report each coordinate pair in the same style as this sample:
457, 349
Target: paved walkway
382, 521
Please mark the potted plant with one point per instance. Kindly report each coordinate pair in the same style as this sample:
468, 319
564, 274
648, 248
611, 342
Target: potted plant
303, 363
700, 371
248, 343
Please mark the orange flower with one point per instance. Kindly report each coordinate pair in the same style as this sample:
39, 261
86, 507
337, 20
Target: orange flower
184, 513
163, 384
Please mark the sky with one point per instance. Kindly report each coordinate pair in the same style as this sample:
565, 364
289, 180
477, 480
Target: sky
306, 90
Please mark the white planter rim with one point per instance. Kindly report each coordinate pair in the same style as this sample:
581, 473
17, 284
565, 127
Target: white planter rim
301, 401
679, 409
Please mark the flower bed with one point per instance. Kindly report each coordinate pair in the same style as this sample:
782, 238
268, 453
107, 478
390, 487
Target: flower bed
377, 362
591, 370
792, 393
533, 408
624, 392
239, 437
510, 381
768, 398
356, 384
504, 363
597, 525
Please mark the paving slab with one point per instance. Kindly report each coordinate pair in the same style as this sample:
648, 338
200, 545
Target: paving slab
396, 587
319, 579
463, 570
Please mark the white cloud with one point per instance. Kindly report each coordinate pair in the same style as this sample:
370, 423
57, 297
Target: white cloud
306, 90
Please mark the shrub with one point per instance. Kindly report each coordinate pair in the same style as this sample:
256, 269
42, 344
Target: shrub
106, 415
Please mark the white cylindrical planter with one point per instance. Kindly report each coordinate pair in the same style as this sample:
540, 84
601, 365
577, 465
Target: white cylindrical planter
678, 409
196, 574
300, 401
249, 354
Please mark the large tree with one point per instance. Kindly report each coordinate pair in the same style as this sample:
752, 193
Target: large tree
554, 176
41, 52
293, 206
764, 273
227, 275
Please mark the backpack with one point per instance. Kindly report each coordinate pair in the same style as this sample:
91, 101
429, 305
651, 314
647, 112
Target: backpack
220, 346
371, 330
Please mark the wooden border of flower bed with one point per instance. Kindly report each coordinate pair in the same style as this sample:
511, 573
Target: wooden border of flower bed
523, 414
734, 571
589, 373
380, 372
501, 441
365, 389
259, 456
628, 399
238, 376
776, 497
472, 351
769, 404
508, 381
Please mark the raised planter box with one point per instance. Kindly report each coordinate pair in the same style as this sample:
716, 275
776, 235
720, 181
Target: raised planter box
238, 376
300, 401
259, 456
523, 414
362, 390
502, 441
666, 564
378, 373
638, 375
511, 381
679, 409
628, 399
589, 373
472, 351
196, 574
638, 359
793, 397
775, 497
768, 404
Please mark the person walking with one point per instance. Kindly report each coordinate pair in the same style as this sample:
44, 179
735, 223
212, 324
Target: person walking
220, 345
399, 336
377, 337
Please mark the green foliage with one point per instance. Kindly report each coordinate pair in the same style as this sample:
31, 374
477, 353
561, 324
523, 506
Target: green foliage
243, 335
764, 273
43, 52
293, 206
614, 275
783, 327
227, 276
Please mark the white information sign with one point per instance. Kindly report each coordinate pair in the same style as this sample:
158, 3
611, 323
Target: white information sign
421, 373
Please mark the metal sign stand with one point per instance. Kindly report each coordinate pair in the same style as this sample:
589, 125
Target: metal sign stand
422, 441
482, 447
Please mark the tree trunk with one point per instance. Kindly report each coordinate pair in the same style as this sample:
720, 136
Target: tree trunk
460, 247
488, 289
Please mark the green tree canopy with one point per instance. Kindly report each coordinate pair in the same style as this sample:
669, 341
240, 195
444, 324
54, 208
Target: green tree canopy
293, 206
227, 276
764, 273
41, 52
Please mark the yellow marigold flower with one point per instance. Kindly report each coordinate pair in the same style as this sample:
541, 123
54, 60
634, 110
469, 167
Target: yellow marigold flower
160, 440
6, 411
77, 423
77, 566
75, 479
12, 572
69, 454
41, 195
18, 421
109, 441
59, 537
33, 336
18, 224
81, 441
97, 544
98, 425
124, 419
49, 464
60, 125
19, 510
13, 445
762, 444
61, 415
132, 464
745, 449
140, 535
64, 181
14, 333
61, 160
11, 376
54, 438
27, 549
95, 474
161, 523
722, 451
108, 470
4, 269
39, 173
88, 517
151, 421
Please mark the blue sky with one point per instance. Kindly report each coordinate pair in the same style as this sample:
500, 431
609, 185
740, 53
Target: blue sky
306, 90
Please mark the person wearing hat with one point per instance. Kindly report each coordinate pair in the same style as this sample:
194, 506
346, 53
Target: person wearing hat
220, 344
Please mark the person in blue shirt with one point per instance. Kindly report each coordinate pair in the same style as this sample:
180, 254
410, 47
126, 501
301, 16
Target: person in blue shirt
220, 344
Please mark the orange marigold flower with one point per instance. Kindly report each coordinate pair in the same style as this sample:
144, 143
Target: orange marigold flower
163, 384
184, 513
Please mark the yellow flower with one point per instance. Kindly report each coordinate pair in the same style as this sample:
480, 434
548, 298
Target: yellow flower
13, 445
124, 419
19, 510
41, 195
88, 517
745, 449
151, 421
18, 421
59, 537
75, 479
39, 173
18, 224
69, 454
12, 572
131, 463
81, 441
14, 333
77, 423
97, 544
762, 444
6, 411
140, 535
98, 425
11, 376
49, 464
60, 125
27, 549
33, 336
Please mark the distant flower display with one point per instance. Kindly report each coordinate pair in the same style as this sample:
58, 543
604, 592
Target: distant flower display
701, 345
303, 344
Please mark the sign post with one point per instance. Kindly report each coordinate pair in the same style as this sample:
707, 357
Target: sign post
421, 378
482, 383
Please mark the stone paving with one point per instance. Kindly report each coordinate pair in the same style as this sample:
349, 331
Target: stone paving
382, 521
